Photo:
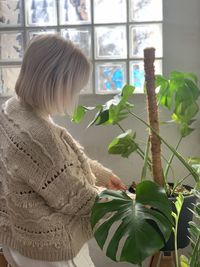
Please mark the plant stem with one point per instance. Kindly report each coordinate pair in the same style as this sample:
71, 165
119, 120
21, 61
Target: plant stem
179, 182
166, 160
120, 127
144, 169
182, 160
194, 257
175, 244
139, 150
170, 160
178, 206
149, 57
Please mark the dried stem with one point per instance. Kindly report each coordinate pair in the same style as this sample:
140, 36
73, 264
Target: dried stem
149, 57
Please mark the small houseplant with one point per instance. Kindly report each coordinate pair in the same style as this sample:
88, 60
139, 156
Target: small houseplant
149, 214
193, 260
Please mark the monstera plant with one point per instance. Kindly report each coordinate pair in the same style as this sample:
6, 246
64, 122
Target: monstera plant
133, 227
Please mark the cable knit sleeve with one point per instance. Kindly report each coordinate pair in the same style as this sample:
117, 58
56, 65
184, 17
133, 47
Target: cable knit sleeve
57, 170
66, 192
101, 173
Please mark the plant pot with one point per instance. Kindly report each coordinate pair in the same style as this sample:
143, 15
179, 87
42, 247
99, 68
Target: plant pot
184, 219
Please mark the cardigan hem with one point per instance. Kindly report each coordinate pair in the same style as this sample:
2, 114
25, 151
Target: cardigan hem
45, 253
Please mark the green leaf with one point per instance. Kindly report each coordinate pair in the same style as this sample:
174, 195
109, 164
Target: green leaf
146, 157
185, 130
127, 91
114, 110
101, 117
183, 75
194, 160
179, 203
194, 229
180, 94
79, 114
124, 144
164, 95
119, 105
137, 220
184, 261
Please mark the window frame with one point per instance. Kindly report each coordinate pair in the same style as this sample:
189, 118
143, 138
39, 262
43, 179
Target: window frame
25, 29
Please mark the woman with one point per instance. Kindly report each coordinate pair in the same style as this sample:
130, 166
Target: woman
47, 184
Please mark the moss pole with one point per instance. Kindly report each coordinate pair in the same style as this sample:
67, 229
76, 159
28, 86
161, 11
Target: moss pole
152, 107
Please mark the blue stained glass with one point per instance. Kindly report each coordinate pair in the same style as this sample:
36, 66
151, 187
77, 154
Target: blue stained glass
138, 76
118, 78
112, 79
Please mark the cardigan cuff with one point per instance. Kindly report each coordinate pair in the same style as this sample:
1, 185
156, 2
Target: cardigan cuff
101, 173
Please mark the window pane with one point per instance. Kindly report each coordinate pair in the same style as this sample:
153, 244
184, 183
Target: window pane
41, 12
81, 37
110, 77
142, 36
8, 77
32, 34
103, 8
137, 73
10, 13
146, 10
110, 42
11, 46
75, 12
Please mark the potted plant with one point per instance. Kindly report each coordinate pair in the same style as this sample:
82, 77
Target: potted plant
193, 260
149, 214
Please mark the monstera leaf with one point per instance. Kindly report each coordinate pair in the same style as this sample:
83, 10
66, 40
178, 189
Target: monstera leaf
180, 95
144, 223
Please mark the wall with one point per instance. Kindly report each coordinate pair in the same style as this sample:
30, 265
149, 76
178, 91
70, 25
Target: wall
181, 47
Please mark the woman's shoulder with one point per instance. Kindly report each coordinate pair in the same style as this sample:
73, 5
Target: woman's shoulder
21, 119
39, 134
29, 129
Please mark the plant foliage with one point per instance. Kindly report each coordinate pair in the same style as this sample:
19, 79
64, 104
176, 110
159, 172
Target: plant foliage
138, 219
194, 259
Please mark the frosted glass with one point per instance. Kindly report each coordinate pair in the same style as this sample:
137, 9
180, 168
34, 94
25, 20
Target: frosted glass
142, 36
110, 42
11, 46
8, 77
103, 9
32, 34
75, 12
41, 12
80, 37
110, 77
146, 10
137, 73
10, 13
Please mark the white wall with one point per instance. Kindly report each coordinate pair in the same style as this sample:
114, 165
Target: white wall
181, 52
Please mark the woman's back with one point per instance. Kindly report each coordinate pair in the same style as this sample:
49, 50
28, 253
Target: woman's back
44, 204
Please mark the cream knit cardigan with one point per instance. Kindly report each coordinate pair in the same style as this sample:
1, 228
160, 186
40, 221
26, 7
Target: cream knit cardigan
47, 186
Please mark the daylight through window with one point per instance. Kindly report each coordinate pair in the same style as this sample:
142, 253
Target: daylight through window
112, 33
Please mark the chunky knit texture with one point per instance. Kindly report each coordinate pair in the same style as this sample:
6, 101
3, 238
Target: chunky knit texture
47, 186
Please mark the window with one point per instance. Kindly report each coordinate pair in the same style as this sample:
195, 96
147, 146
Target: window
112, 33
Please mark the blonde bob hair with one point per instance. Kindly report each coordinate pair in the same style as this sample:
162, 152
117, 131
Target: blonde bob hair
52, 74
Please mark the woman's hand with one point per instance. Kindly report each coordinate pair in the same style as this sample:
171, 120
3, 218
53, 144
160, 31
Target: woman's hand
115, 183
